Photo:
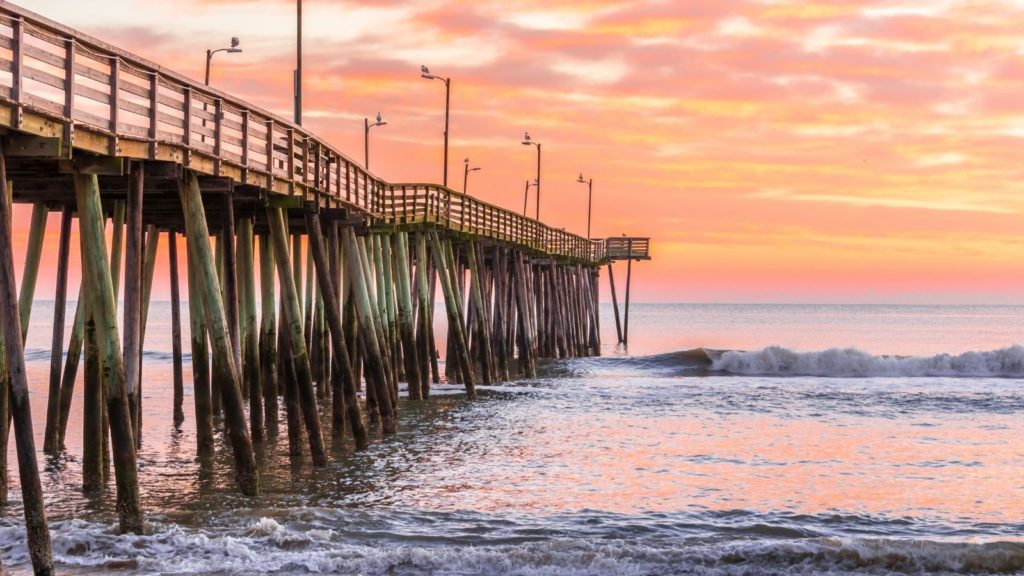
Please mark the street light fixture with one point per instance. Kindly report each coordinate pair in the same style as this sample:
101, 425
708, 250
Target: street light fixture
590, 198
366, 138
234, 49
526, 194
465, 175
425, 73
527, 141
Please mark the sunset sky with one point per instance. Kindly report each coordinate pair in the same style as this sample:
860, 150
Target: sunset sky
843, 151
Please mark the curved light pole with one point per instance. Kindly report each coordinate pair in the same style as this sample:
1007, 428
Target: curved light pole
465, 175
526, 194
527, 141
590, 198
425, 73
234, 49
366, 138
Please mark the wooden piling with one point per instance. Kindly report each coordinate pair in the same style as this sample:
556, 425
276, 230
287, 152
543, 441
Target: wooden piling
230, 280
444, 261
268, 335
133, 288
250, 345
339, 399
615, 302
200, 362
374, 362
404, 319
425, 326
152, 244
178, 380
52, 432
38, 535
217, 327
342, 362
292, 322
483, 328
103, 310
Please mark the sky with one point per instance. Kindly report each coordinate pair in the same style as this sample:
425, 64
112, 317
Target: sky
774, 150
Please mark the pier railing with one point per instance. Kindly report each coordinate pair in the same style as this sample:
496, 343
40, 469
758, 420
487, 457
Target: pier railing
78, 92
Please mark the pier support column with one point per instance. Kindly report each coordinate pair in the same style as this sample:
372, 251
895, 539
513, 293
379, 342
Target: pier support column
342, 362
217, 326
376, 370
99, 288
38, 535
292, 323
483, 328
179, 392
426, 316
404, 317
615, 303
133, 280
445, 262
268, 335
250, 344
200, 362
51, 436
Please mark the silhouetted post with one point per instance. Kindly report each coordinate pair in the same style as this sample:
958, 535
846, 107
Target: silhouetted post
251, 363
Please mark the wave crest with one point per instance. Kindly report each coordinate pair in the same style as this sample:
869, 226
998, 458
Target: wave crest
853, 363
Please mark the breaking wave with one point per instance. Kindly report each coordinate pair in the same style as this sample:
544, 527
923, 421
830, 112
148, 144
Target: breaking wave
852, 363
278, 546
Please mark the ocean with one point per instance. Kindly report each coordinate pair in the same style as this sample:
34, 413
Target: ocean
728, 439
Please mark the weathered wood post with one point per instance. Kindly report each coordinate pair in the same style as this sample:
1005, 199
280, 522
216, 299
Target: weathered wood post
38, 535
217, 326
374, 361
342, 362
615, 302
51, 436
426, 321
444, 261
268, 335
404, 319
152, 243
230, 279
250, 345
200, 362
133, 281
179, 392
482, 325
99, 288
292, 322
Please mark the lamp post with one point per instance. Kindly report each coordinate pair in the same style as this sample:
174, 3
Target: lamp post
527, 141
526, 194
465, 175
366, 138
234, 49
425, 73
590, 198
297, 80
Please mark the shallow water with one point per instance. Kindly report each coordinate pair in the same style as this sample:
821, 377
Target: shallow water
669, 459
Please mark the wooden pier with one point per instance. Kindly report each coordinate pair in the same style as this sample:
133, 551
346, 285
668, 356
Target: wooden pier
349, 269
